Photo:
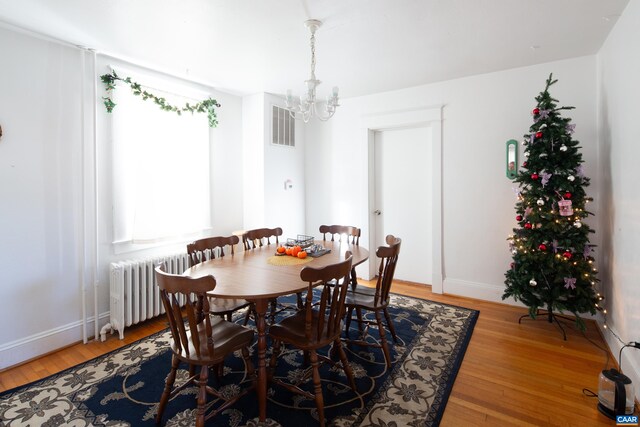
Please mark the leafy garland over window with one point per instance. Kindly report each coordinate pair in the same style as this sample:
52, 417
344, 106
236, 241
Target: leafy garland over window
208, 105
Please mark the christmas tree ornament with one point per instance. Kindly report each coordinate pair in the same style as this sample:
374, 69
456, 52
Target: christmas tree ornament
514, 251
563, 148
567, 195
518, 217
540, 202
577, 224
571, 178
565, 207
533, 282
538, 134
570, 282
536, 111
542, 247
534, 176
528, 226
567, 254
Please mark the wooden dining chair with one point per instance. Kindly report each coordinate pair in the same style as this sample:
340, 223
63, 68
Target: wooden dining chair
211, 248
341, 233
257, 238
317, 326
376, 300
199, 339
347, 233
260, 237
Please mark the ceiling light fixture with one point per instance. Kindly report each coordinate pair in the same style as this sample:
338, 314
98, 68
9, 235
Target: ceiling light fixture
306, 107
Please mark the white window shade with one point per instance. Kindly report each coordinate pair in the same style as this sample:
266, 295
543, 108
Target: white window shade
160, 168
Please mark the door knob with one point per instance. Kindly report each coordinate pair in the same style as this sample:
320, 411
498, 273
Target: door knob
377, 212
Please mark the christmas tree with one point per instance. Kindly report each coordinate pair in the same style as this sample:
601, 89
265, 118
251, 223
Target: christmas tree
553, 268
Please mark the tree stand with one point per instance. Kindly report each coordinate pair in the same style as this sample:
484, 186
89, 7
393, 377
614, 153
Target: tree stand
551, 317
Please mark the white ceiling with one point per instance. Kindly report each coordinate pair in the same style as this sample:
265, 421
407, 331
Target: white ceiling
364, 46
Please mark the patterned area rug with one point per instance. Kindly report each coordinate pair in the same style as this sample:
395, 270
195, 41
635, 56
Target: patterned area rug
122, 388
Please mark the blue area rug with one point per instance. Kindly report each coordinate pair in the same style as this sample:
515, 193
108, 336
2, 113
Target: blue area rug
123, 387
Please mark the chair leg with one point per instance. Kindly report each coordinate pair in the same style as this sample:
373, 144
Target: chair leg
354, 279
348, 321
299, 301
202, 395
251, 372
392, 328
360, 322
317, 386
345, 364
247, 316
274, 359
383, 339
175, 362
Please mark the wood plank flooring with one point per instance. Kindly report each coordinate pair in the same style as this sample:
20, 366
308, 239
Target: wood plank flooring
512, 374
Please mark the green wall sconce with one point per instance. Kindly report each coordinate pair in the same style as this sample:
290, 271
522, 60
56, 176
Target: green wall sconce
512, 158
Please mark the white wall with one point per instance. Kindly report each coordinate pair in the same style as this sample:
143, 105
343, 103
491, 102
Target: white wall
266, 168
480, 114
41, 190
46, 187
619, 85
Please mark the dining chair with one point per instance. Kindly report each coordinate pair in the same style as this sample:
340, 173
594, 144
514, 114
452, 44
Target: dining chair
376, 300
210, 248
314, 327
347, 233
199, 339
259, 237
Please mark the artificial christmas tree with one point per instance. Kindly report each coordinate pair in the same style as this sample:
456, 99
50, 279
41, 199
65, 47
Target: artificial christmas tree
553, 268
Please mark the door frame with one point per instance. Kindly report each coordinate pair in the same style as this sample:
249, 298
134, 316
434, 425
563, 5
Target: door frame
429, 117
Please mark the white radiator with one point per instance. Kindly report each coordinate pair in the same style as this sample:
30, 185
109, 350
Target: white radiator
134, 296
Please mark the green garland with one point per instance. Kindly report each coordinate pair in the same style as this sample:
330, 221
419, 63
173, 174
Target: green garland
207, 106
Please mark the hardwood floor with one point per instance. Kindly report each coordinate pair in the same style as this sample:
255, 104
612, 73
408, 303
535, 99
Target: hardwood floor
512, 374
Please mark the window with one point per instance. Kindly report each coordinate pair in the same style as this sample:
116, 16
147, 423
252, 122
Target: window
160, 166
283, 130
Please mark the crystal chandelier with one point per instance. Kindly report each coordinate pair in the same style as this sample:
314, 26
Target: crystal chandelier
306, 107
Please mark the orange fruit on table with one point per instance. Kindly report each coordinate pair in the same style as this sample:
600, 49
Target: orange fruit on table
302, 254
288, 251
280, 249
295, 250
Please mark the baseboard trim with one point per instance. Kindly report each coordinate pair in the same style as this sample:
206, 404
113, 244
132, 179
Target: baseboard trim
477, 290
34, 346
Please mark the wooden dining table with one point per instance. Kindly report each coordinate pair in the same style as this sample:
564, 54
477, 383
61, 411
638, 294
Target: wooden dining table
254, 276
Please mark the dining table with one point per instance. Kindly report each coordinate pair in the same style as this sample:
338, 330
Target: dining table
259, 275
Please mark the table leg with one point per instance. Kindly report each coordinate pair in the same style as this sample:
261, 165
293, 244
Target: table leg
261, 310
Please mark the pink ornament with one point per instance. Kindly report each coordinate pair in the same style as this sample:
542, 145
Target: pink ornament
565, 207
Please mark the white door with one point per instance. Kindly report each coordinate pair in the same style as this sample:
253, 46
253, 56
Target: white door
403, 192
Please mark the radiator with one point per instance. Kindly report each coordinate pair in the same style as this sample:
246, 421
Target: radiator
134, 296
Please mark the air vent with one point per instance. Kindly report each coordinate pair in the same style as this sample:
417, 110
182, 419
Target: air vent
283, 131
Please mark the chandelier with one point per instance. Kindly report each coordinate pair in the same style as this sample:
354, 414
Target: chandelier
306, 107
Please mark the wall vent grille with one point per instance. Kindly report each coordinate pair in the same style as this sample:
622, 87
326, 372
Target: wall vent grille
283, 130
